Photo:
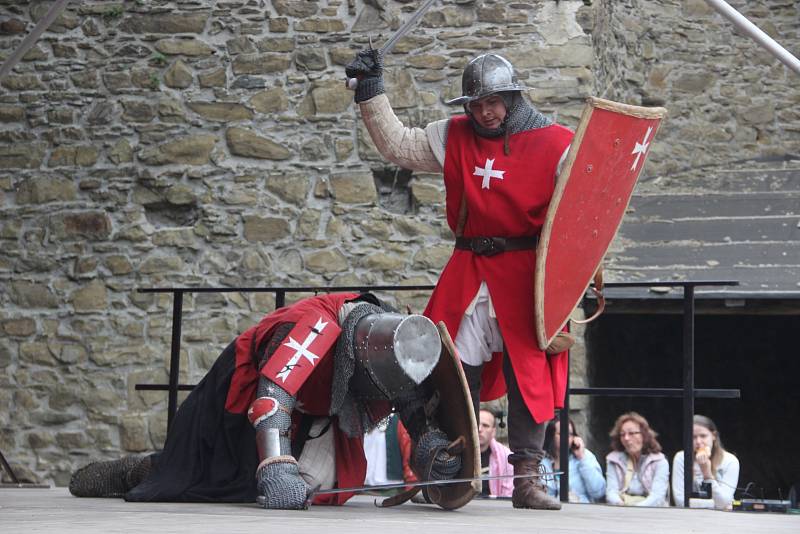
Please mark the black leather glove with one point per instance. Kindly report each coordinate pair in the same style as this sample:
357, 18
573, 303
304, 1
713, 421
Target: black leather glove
367, 68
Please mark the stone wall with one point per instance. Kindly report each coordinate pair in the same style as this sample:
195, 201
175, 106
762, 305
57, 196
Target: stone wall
212, 143
209, 143
729, 100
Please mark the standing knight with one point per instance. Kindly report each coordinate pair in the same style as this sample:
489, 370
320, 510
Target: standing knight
500, 160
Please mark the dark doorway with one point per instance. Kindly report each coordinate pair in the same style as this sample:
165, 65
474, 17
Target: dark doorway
757, 354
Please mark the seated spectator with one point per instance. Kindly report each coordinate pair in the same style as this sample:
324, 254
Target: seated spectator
637, 473
586, 482
714, 469
494, 458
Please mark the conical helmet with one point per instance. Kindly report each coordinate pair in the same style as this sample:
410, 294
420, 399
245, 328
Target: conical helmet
485, 75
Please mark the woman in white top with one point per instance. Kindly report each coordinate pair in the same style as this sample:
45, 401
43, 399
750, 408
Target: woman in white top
713, 466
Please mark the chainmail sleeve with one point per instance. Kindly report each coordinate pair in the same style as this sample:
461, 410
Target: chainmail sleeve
409, 148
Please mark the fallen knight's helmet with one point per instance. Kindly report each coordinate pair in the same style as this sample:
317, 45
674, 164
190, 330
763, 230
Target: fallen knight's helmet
406, 359
393, 354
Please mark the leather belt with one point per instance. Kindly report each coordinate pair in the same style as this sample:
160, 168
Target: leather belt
489, 246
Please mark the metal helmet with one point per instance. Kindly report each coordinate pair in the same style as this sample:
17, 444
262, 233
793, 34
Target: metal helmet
485, 75
393, 353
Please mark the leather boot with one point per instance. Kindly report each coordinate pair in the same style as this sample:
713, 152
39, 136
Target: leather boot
531, 492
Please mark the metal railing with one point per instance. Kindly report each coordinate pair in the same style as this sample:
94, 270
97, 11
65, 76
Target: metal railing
688, 392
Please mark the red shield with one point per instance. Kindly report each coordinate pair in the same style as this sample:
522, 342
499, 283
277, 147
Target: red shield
590, 199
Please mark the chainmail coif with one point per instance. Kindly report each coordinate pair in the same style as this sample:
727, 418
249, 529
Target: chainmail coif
521, 117
353, 418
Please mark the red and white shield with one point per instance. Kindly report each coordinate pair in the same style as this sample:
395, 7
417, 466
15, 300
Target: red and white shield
593, 190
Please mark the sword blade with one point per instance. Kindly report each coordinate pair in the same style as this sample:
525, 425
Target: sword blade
423, 483
407, 25
30, 39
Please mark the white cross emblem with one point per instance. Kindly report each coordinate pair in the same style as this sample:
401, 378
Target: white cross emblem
488, 173
302, 350
641, 148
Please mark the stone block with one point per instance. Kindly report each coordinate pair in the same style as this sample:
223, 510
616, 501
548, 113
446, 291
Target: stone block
245, 142
12, 113
320, 25
279, 25
175, 237
693, 82
91, 297
167, 23
291, 187
22, 156
380, 261
161, 265
32, 295
434, 257
121, 152
118, 265
22, 82
354, 188
92, 225
184, 47
22, 327
44, 189
138, 110
270, 101
311, 59
40, 439
6, 353
331, 96
133, 434
70, 353
73, 156
35, 352
260, 63
212, 78
265, 229
192, 150
178, 76
427, 194
276, 44
296, 8
86, 79
221, 111
326, 261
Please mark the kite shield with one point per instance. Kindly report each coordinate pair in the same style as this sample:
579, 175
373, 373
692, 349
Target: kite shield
592, 193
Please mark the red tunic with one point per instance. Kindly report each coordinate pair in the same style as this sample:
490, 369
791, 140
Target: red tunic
314, 395
506, 196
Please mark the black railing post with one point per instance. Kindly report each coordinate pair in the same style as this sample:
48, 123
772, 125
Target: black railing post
280, 298
688, 392
563, 444
175, 356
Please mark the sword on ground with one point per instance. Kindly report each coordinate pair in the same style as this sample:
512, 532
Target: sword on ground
352, 83
418, 484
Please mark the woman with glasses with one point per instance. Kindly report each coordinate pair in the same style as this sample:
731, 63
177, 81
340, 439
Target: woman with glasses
637, 472
586, 482
715, 471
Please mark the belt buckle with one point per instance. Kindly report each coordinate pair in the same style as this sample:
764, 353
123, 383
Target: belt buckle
483, 246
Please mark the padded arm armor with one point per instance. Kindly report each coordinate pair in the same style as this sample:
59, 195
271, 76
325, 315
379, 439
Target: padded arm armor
409, 148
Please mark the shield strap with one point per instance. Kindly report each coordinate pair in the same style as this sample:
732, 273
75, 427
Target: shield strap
598, 293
